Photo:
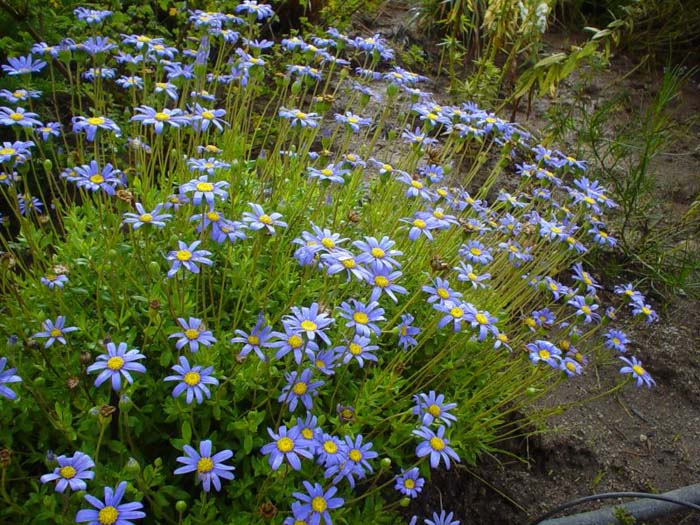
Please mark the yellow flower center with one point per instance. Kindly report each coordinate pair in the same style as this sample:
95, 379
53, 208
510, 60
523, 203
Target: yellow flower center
205, 465
295, 341
443, 293
355, 455
146, 217
7, 151
318, 504
571, 366
300, 114
638, 370
585, 309
571, 240
308, 325
587, 279
437, 444
555, 229
434, 410
349, 263
96, 121
431, 116
438, 214
97, 179
208, 165
191, 333
645, 310
319, 364
353, 120
565, 345
360, 318
285, 444
144, 39
472, 276
16, 116
330, 447
381, 281
616, 340
416, 184
108, 515
300, 388
161, 117
211, 148
265, 219
475, 251
213, 216
418, 223
531, 322
481, 319
456, 312
115, 363
307, 433
192, 378
544, 354
183, 255
55, 332
326, 172
204, 187
207, 115
253, 340
355, 349
328, 243
387, 167
409, 483
502, 337
67, 472
19, 93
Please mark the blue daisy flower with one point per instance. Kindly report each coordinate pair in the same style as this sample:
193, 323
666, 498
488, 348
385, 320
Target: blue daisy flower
210, 468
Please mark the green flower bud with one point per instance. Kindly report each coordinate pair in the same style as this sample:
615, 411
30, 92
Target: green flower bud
132, 466
154, 268
364, 100
405, 502
296, 87
48, 165
181, 506
125, 403
392, 90
385, 463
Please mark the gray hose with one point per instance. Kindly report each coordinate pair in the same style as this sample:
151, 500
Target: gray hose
648, 508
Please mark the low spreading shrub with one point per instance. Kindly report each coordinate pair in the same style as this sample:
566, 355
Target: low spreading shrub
247, 281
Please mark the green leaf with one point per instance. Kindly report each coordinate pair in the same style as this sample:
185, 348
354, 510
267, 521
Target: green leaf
550, 60
186, 430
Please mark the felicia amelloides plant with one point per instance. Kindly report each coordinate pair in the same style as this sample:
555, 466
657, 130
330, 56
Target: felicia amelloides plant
244, 281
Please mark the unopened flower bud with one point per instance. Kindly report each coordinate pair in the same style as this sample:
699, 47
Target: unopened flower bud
132, 466
125, 403
181, 506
